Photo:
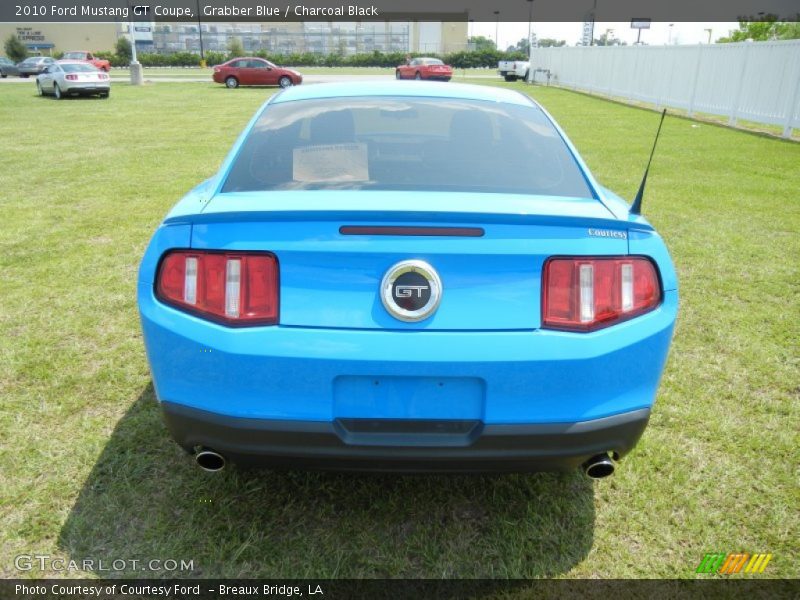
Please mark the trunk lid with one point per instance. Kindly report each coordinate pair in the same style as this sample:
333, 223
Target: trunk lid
332, 280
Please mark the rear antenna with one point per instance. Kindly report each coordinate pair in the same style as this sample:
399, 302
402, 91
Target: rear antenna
636, 207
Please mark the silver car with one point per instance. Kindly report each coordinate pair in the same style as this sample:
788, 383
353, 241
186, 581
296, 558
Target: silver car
33, 65
67, 78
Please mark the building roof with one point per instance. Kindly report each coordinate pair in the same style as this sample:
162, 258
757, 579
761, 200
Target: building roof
422, 89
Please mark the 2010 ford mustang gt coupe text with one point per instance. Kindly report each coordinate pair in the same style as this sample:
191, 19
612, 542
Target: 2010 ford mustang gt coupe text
408, 278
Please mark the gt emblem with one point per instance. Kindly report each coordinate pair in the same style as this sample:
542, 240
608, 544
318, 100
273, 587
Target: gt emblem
407, 291
411, 290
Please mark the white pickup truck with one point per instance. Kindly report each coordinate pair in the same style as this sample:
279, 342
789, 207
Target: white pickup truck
513, 69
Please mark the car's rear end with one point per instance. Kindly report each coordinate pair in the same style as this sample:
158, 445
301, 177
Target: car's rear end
437, 72
83, 78
219, 73
274, 338
32, 66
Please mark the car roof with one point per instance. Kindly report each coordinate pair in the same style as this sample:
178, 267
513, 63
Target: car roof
420, 89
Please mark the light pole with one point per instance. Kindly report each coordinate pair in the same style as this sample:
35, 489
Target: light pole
709, 34
530, 42
530, 18
200, 31
669, 40
135, 66
497, 30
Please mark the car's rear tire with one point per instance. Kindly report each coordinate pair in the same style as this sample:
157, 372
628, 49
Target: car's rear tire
397, 74
511, 78
39, 91
57, 92
105, 94
285, 82
418, 76
3, 75
231, 83
24, 75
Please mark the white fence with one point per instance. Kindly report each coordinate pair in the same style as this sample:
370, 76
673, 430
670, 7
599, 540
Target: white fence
754, 81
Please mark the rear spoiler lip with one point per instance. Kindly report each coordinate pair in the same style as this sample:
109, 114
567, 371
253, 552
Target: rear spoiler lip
407, 217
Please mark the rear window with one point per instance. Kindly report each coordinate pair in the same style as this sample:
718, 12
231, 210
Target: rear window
83, 68
400, 143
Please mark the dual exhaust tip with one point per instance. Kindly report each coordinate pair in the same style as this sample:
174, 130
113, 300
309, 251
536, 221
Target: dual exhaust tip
597, 467
209, 460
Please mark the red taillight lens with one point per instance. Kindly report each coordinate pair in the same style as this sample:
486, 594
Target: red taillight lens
71, 77
584, 294
234, 288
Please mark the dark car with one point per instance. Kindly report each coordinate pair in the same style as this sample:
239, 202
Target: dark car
254, 71
33, 65
7, 67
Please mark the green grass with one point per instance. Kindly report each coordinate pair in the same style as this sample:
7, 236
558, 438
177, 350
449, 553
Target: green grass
89, 471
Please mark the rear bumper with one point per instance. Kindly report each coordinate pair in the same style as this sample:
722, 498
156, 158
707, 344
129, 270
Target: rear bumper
321, 375
410, 446
87, 90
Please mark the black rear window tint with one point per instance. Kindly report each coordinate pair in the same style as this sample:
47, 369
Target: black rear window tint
403, 143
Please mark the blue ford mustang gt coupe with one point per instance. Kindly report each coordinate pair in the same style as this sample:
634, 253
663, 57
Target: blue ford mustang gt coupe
408, 277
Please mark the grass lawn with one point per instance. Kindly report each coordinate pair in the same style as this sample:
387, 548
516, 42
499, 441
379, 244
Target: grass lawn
89, 471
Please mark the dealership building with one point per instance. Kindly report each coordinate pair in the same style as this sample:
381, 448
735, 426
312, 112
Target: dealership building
319, 37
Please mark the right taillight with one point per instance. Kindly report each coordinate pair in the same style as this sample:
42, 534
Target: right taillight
585, 293
233, 288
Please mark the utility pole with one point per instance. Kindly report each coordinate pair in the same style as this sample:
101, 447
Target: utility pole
200, 31
136, 68
497, 30
530, 42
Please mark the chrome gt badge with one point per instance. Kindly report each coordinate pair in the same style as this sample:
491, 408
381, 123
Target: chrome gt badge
411, 290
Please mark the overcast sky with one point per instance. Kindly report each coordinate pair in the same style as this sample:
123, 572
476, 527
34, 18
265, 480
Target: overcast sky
658, 34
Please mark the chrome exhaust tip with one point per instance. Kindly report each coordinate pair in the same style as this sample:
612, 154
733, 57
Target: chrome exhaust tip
599, 466
210, 461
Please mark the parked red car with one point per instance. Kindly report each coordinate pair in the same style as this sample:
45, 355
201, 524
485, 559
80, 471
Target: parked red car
254, 71
424, 68
100, 63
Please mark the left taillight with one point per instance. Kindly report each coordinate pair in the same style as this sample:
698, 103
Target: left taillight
233, 288
587, 293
